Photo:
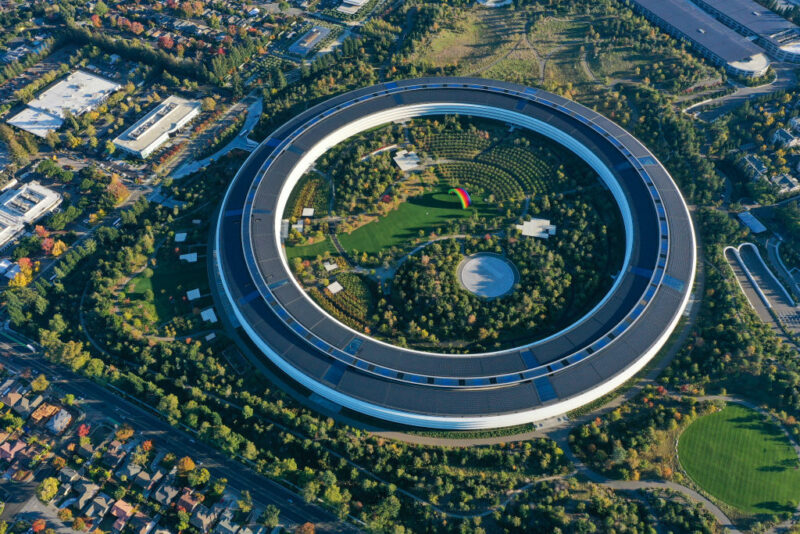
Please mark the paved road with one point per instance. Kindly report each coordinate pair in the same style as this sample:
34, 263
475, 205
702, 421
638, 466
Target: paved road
100, 403
785, 79
773, 250
749, 289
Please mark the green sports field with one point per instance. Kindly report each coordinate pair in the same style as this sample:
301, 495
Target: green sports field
435, 209
743, 460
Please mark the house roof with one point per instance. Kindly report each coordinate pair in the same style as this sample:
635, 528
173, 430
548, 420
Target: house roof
166, 493
188, 501
44, 411
202, 517
122, 509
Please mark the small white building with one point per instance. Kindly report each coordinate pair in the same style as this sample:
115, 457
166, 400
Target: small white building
193, 294
209, 315
407, 161
189, 258
749, 220
335, 287
540, 228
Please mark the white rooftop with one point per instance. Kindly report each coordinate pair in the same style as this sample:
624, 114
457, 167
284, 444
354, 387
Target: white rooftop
751, 222
406, 160
78, 93
193, 294
189, 258
209, 315
308, 212
37, 122
330, 266
24, 205
537, 228
12, 272
180, 237
335, 287
152, 130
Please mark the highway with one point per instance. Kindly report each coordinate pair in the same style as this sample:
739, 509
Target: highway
99, 403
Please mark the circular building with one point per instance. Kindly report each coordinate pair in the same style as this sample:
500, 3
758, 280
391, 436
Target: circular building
544, 378
487, 275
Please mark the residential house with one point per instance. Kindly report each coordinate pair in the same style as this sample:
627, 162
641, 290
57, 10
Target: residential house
98, 507
123, 511
85, 450
11, 398
202, 518
129, 471
753, 166
86, 492
9, 450
188, 501
59, 422
5, 387
68, 475
785, 138
114, 454
146, 481
226, 524
786, 183
166, 493
26, 406
44, 411
142, 524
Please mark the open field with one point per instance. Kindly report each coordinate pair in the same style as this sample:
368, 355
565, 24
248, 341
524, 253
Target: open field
309, 252
556, 50
434, 209
743, 460
171, 280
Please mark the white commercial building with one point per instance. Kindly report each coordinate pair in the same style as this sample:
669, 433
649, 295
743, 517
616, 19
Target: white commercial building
22, 206
153, 130
76, 94
351, 7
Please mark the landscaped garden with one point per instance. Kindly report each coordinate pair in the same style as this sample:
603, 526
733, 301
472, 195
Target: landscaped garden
743, 459
396, 236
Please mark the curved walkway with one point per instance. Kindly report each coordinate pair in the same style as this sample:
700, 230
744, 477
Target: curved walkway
785, 78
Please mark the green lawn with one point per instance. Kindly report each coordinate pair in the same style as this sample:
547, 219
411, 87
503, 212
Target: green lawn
310, 252
400, 227
171, 280
743, 460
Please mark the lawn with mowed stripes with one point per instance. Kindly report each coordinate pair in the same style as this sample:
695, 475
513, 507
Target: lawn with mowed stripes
742, 459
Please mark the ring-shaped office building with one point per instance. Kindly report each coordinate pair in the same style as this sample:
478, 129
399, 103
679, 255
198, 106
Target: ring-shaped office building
542, 379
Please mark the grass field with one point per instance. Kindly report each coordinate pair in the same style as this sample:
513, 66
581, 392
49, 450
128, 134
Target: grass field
171, 280
309, 252
427, 212
743, 460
